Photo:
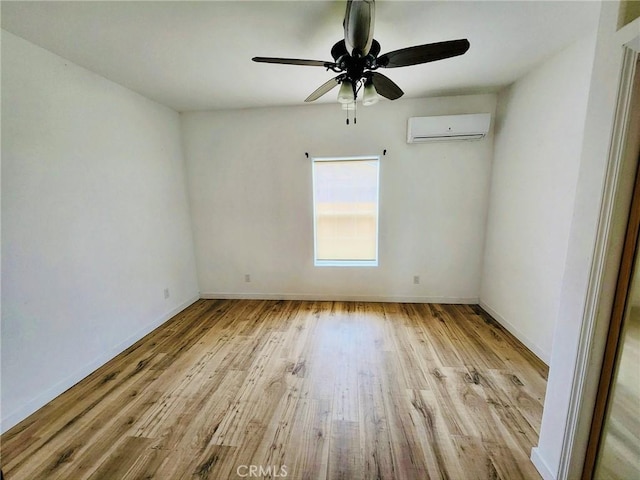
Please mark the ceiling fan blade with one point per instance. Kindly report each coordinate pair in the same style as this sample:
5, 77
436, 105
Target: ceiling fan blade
423, 53
322, 89
385, 86
358, 26
293, 61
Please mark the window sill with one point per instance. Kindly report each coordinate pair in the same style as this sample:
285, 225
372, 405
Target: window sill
345, 263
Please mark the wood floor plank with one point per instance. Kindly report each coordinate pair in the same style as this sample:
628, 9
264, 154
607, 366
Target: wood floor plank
319, 390
437, 333
307, 453
345, 458
474, 457
376, 439
120, 461
406, 443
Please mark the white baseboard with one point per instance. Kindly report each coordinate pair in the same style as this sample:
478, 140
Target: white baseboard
539, 352
338, 298
49, 394
541, 465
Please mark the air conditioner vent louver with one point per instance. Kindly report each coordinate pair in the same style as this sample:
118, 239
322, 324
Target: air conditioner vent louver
448, 128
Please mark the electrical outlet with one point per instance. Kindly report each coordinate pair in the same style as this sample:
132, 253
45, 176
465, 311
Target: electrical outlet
247, 278
416, 279
166, 293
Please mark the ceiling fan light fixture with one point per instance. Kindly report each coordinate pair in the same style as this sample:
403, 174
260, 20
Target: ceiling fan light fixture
370, 95
345, 95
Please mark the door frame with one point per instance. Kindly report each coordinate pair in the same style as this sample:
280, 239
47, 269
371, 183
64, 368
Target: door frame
615, 205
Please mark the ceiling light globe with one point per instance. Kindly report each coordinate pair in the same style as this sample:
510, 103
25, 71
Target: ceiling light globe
370, 96
345, 95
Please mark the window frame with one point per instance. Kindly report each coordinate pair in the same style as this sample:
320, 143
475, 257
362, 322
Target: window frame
346, 263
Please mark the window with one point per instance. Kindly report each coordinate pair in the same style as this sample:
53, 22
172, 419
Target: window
345, 204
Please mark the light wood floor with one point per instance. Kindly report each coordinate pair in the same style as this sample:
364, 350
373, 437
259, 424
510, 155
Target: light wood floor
313, 390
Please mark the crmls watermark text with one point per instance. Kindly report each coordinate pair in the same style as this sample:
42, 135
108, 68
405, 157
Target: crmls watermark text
257, 471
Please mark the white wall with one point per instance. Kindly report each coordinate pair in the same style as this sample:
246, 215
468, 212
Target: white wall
95, 223
538, 140
251, 197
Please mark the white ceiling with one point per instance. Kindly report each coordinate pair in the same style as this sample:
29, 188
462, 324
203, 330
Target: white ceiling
197, 55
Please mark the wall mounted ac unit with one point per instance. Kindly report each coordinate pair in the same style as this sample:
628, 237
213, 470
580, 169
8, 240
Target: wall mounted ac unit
448, 127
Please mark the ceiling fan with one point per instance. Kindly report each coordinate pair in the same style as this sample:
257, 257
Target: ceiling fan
356, 59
